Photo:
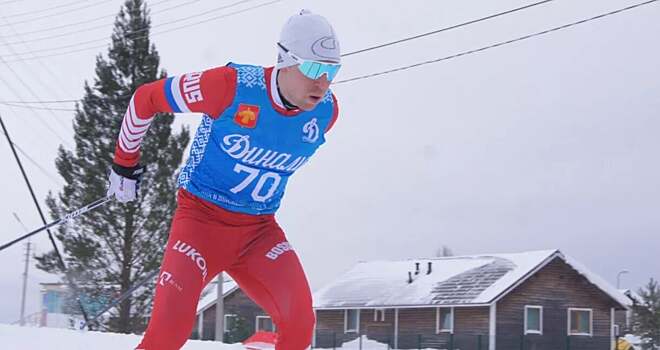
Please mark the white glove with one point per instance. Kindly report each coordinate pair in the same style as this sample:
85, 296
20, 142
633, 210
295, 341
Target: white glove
125, 182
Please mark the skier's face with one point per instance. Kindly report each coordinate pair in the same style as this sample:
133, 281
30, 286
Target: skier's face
300, 90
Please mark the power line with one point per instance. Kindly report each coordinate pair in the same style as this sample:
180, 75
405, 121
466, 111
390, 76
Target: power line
451, 56
377, 46
38, 76
157, 33
39, 102
25, 105
46, 9
45, 124
20, 79
38, 129
77, 32
44, 171
113, 15
497, 44
464, 24
141, 30
55, 14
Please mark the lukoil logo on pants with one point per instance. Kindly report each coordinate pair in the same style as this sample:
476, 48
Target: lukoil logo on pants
194, 255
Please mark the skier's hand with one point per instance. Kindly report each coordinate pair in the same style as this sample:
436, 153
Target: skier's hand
124, 182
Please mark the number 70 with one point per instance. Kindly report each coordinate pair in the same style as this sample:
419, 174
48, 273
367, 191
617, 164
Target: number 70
252, 175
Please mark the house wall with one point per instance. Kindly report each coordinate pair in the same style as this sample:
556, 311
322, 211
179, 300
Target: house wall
556, 287
417, 326
620, 319
329, 331
381, 331
471, 321
237, 303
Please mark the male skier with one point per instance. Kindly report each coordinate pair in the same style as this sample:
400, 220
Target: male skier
259, 126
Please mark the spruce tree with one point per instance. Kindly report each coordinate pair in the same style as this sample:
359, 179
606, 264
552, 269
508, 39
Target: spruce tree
109, 249
647, 315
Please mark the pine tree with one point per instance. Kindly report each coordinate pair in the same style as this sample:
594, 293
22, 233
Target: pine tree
647, 315
109, 249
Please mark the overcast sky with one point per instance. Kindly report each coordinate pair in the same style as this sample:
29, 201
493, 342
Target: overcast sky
548, 143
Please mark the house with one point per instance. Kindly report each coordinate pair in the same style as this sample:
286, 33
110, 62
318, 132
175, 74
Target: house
60, 310
238, 307
533, 300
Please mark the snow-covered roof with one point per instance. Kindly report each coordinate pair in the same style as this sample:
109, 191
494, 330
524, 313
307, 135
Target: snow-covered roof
453, 281
210, 293
632, 296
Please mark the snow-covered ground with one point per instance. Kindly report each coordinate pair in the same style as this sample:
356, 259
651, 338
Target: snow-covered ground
367, 344
35, 338
32, 338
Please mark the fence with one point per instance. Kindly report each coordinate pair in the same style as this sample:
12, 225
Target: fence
386, 341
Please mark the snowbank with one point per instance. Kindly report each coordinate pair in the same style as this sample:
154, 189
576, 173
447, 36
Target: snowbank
32, 338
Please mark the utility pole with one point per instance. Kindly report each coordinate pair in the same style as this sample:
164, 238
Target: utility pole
25, 272
618, 278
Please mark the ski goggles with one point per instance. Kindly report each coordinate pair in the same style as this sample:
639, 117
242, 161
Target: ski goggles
313, 69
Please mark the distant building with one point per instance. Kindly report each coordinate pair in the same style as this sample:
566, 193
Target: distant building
540, 300
56, 310
236, 305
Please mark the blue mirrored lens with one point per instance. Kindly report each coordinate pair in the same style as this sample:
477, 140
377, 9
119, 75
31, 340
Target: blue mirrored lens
315, 70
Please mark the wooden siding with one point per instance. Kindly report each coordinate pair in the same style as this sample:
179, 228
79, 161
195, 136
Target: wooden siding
330, 329
208, 324
471, 321
237, 303
556, 288
620, 320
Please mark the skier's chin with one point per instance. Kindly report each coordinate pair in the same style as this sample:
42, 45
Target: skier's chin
310, 103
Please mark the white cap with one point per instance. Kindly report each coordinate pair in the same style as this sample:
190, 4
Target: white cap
309, 36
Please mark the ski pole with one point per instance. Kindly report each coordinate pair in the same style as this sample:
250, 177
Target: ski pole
119, 299
67, 217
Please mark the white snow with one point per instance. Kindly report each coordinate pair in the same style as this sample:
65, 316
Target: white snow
524, 262
33, 338
384, 283
598, 281
367, 344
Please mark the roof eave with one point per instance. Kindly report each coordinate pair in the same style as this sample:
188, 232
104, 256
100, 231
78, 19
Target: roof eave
403, 306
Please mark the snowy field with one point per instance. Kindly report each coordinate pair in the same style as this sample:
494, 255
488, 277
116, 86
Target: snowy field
34, 338
31, 338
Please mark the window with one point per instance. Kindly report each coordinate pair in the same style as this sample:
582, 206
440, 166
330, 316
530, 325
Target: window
533, 319
264, 323
352, 321
444, 320
379, 315
616, 330
230, 321
580, 321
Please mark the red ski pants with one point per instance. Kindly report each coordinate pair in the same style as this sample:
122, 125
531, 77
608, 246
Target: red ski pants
205, 240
